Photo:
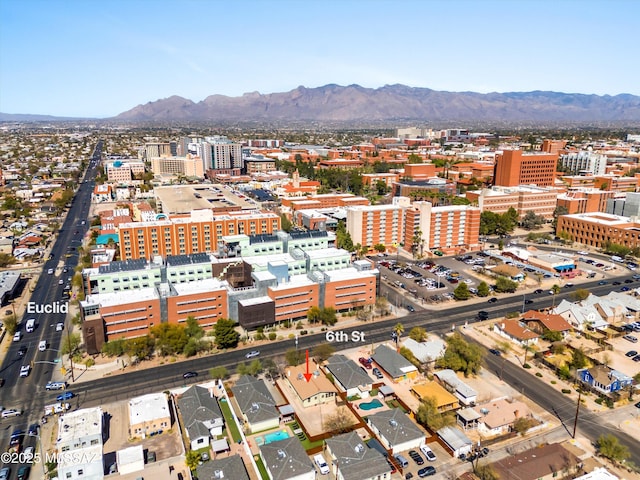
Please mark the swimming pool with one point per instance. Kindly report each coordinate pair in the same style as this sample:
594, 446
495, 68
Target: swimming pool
272, 437
375, 403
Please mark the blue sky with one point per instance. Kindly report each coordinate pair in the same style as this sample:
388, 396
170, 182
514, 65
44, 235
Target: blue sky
99, 58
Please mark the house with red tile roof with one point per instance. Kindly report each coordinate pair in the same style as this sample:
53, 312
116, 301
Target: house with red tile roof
540, 322
516, 331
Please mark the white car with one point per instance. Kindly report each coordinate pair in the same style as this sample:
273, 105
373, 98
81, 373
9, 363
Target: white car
11, 412
25, 370
321, 463
59, 327
28, 454
582, 252
428, 453
17, 336
252, 354
42, 346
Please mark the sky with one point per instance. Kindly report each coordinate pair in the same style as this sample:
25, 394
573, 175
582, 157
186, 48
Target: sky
91, 58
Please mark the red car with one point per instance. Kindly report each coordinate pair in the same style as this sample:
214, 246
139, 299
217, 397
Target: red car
366, 363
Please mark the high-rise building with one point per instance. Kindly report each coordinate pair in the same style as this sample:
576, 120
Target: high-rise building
220, 153
584, 162
446, 228
514, 167
166, 149
375, 224
189, 166
553, 146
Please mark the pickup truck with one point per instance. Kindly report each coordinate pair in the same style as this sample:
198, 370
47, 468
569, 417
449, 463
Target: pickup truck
54, 408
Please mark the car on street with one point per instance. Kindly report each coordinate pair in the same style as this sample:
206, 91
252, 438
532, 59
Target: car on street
252, 354
528, 301
65, 396
483, 315
22, 350
25, 370
625, 289
189, 374
11, 412
637, 405
410, 308
492, 300
23, 472
28, 454
495, 352
33, 430
603, 282
538, 291
59, 326
4, 473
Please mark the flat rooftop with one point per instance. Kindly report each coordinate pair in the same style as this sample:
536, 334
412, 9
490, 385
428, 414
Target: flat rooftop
185, 198
601, 218
81, 423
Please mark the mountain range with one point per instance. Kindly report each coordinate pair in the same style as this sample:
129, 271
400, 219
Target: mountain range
353, 103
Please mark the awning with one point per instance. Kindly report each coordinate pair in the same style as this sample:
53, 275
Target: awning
220, 445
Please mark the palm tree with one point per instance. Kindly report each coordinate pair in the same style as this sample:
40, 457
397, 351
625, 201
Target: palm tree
397, 331
556, 290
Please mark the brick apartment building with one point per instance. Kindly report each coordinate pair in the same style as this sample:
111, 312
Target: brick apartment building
375, 224
596, 229
123, 172
515, 167
189, 166
447, 228
198, 232
585, 200
541, 201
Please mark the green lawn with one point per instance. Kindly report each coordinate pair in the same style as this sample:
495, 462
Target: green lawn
261, 469
232, 426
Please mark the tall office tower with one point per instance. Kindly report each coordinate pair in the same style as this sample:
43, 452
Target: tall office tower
514, 168
220, 153
158, 150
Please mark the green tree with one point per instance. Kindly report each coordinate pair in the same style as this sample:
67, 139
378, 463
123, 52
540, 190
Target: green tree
113, 348
578, 359
255, 367
343, 237
429, 416
242, 369
555, 290
139, 347
328, 316
413, 158
11, 324
70, 344
485, 472
523, 424
461, 356
483, 289
552, 336
225, 333
461, 292
379, 247
294, 357
170, 338
531, 221
192, 460
610, 447
285, 223
322, 352
193, 328
580, 294
398, 330
505, 285
382, 306
408, 355
418, 334
219, 372
314, 314
6, 260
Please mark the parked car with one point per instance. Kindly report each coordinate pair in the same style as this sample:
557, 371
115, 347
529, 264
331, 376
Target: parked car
426, 471
366, 363
377, 373
631, 338
11, 412
631, 353
416, 457
427, 452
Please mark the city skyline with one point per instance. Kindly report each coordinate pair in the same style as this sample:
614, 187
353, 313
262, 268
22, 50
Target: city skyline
88, 59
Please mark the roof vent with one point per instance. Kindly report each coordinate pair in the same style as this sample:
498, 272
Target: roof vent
393, 423
300, 376
359, 448
282, 454
316, 373
218, 474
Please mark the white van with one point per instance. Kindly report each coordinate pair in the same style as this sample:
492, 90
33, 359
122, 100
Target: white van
42, 346
31, 325
322, 465
17, 336
616, 258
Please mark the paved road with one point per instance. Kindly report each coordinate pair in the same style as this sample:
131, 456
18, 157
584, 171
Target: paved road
29, 393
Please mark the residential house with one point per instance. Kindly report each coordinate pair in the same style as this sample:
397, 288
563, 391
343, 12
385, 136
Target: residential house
287, 460
395, 430
351, 459
581, 317
231, 468
201, 416
348, 376
426, 352
540, 322
516, 331
445, 401
604, 379
148, 414
455, 440
396, 366
461, 390
610, 310
497, 416
316, 391
256, 404
545, 462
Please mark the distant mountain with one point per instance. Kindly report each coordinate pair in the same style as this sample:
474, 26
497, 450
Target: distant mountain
335, 103
27, 117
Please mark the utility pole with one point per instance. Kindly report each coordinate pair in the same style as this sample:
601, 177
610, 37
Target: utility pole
575, 421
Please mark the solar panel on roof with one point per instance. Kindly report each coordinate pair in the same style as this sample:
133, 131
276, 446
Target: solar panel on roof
123, 266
